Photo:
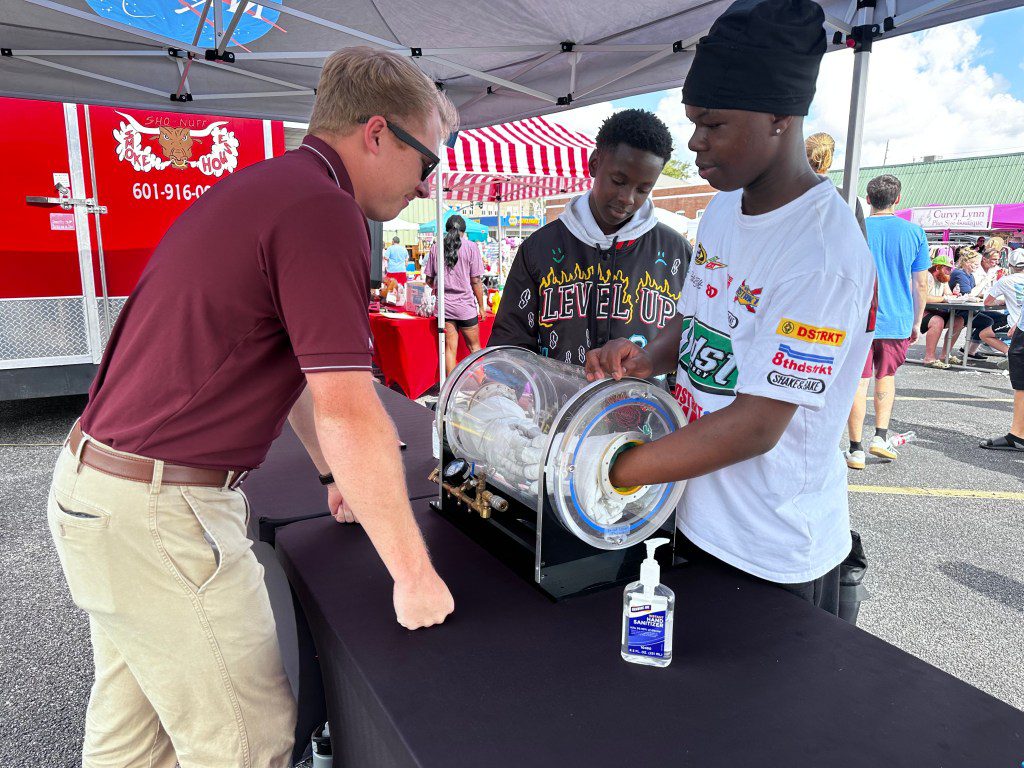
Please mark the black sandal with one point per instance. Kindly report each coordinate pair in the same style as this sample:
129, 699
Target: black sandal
1005, 443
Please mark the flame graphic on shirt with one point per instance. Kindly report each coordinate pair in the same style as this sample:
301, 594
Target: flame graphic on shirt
607, 276
577, 274
663, 287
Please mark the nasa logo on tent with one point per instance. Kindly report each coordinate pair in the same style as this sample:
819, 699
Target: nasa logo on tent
177, 19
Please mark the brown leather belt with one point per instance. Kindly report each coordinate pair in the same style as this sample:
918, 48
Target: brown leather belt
102, 459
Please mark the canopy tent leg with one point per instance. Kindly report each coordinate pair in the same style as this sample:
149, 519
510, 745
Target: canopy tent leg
861, 38
855, 131
439, 264
501, 260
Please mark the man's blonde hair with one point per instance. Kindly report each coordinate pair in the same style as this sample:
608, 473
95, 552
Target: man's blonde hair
994, 247
359, 82
965, 256
820, 149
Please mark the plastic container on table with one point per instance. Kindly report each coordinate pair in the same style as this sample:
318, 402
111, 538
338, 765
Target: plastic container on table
415, 290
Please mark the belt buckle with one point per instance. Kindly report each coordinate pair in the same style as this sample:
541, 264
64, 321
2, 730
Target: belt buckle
240, 479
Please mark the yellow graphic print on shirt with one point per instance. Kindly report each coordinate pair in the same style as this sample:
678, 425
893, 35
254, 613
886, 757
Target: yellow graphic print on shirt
702, 255
793, 329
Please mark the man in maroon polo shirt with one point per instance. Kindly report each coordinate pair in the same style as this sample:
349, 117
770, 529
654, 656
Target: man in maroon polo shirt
257, 291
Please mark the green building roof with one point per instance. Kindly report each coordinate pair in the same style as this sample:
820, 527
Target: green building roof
967, 181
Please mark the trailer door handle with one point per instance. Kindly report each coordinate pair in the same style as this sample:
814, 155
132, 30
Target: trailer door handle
66, 203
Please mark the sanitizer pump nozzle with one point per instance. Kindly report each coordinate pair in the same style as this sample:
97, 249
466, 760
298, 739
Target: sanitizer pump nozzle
648, 607
650, 569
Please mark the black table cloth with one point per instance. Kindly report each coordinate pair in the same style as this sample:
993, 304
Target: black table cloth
511, 679
286, 489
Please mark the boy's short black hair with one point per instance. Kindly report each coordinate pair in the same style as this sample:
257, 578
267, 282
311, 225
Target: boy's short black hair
884, 191
639, 129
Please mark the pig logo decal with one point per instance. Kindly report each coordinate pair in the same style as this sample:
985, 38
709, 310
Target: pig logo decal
178, 147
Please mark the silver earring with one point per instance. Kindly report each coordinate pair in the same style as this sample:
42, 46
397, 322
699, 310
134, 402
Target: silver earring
778, 130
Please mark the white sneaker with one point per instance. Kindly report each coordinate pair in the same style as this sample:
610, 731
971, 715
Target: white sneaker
854, 459
883, 448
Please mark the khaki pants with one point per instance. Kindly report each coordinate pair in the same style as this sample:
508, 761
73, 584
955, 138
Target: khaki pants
188, 667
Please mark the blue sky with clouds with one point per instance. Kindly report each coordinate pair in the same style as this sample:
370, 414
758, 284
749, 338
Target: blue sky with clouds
951, 91
1002, 35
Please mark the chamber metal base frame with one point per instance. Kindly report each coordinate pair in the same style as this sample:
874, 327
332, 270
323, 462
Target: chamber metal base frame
568, 566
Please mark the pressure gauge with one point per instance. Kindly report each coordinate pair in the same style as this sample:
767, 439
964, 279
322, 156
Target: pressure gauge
457, 471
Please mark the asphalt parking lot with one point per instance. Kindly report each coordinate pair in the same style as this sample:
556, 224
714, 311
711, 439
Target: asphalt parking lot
942, 527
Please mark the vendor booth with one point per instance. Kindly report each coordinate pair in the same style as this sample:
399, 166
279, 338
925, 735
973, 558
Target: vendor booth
522, 160
517, 161
973, 220
475, 231
405, 349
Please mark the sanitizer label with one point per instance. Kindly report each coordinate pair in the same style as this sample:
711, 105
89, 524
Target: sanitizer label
645, 635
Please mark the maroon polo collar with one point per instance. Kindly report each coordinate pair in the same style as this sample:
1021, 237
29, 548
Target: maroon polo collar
331, 160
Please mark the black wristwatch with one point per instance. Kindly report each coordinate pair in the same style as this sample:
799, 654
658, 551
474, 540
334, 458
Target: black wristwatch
327, 479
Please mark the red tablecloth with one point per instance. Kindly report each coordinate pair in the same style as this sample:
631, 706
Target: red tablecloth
405, 349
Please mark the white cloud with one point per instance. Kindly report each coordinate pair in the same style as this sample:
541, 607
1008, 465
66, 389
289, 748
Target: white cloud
670, 110
584, 119
926, 96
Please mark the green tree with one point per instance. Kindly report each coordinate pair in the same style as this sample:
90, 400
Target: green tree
678, 169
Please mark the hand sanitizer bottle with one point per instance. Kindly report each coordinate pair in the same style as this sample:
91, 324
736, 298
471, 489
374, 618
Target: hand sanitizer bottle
647, 611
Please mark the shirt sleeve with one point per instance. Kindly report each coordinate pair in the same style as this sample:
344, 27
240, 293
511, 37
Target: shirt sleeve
429, 267
921, 259
316, 257
803, 333
516, 321
997, 289
476, 267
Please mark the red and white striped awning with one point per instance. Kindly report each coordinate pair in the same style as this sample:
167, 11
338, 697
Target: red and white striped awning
517, 161
484, 187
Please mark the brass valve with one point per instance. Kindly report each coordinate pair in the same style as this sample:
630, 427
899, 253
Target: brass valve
473, 493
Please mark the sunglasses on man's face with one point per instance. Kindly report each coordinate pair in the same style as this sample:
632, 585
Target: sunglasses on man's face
430, 159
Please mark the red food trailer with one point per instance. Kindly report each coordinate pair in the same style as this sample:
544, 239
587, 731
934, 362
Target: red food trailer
87, 193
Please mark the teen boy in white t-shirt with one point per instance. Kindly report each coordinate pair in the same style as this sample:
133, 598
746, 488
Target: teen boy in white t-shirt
1009, 290
773, 324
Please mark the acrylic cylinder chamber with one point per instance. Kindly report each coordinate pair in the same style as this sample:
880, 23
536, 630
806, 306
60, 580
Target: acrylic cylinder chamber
537, 427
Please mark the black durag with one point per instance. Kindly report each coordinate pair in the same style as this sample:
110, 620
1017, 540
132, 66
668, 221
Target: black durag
760, 56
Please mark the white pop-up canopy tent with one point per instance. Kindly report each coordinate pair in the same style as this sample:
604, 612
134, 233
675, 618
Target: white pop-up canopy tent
239, 57
498, 61
521, 160
676, 221
399, 224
